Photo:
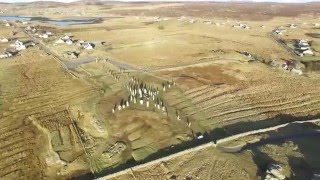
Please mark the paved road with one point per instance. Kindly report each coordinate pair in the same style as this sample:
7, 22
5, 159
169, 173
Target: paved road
204, 146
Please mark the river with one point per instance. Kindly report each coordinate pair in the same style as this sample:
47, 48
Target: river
46, 20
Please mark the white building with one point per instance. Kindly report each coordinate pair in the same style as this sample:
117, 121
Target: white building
240, 25
44, 36
293, 26
87, 46
49, 33
69, 41
65, 37
308, 52
5, 55
4, 40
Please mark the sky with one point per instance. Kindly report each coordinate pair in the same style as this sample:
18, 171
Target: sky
284, 1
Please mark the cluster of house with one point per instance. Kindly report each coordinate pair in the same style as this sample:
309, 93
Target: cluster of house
70, 41
18, 46
143, 94
188, 20
241, 25
303, 47
274, 172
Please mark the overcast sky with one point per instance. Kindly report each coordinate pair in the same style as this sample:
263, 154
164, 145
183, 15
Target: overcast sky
285, 1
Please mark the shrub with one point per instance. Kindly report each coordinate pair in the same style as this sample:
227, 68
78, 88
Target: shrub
160, 27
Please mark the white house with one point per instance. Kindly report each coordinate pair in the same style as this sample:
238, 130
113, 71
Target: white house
69, 41
240, 25
44, 36
49, 33
308, 52
4, 40
65, 37
192, 21
87, 46
7, 24
5, 55
303, 45
18, 45
293, 26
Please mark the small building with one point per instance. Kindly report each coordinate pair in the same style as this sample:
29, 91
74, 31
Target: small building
241, 25
69, 41
18, 45
274, 171
303, 45
7, 25
247, 54
308, 52
192, 21
49, 33
293, 26
6, 55
65, 37
4, 40
44, 36
207, 22
87, 46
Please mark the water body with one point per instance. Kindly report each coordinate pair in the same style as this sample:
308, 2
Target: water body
46, 20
